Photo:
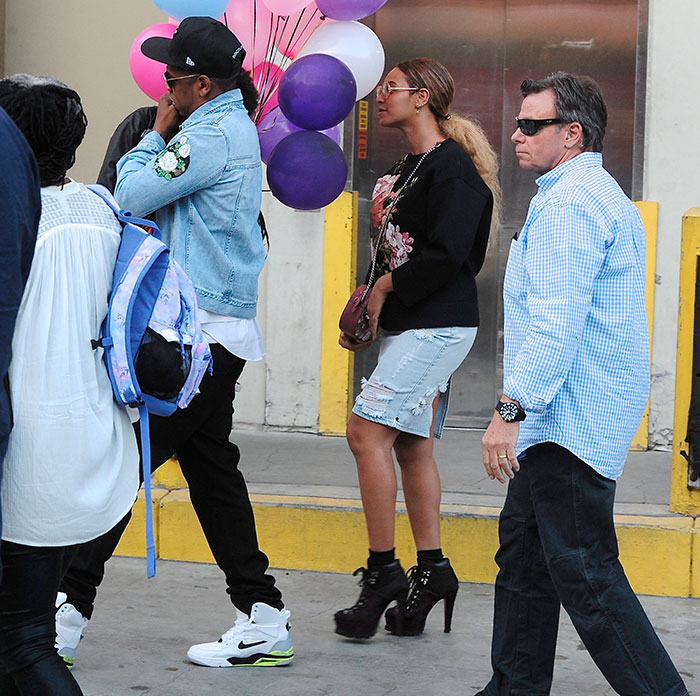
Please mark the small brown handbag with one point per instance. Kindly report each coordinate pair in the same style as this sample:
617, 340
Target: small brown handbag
354, 321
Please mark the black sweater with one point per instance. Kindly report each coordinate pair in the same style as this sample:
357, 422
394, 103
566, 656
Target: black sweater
435, 240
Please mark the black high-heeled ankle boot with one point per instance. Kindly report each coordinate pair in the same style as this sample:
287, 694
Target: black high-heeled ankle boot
429, 582
380, 586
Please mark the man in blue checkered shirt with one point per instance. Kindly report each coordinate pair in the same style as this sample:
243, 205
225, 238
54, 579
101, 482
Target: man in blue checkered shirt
576, 363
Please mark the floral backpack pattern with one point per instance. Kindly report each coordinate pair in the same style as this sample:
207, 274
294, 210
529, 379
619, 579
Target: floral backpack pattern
154, 349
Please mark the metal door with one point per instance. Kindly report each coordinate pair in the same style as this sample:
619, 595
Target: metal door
490, 46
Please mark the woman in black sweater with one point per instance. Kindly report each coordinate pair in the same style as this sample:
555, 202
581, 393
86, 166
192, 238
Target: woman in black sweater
430, 222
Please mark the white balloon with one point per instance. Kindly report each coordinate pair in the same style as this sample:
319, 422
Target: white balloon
356, 45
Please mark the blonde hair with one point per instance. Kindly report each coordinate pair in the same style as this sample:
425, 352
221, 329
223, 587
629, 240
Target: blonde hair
429, 74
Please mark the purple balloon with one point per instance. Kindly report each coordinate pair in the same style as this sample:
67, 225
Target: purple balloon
275, 126
307, 170
317, 91
347, 10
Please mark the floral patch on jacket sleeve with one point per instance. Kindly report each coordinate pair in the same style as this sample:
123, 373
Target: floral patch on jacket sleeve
174, 160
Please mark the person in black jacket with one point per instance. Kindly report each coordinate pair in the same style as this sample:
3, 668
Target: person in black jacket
21, 205
430, 223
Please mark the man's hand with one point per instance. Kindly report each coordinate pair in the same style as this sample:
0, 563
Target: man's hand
498, 449
167, 118
349, 343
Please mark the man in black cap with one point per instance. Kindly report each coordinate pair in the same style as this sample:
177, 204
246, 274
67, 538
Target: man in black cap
198, 173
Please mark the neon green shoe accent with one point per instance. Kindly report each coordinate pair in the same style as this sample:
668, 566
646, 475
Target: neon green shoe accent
276, 657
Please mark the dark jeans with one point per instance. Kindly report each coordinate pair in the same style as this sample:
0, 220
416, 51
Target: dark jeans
199, 435
29, 663
558, 546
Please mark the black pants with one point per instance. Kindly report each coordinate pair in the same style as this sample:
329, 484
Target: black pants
199, 435
29, 663
558, 547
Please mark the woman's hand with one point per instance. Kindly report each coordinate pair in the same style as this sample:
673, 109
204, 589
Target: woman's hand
349, 343
380, 290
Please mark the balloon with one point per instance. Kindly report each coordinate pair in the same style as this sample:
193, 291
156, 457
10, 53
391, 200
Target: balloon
147, 72
307, 170
317, 91
285, 7
292, 33
266, 78
354, 44
347, 10
275, 126
254, 35
179, 9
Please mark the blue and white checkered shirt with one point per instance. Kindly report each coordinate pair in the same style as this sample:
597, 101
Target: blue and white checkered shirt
576, 352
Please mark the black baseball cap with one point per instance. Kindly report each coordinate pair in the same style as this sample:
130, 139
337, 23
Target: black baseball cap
200, 45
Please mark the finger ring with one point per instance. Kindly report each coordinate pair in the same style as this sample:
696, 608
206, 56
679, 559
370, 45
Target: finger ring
503, 456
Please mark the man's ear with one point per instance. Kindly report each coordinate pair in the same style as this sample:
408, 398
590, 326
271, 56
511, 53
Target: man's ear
205, 85
573, 135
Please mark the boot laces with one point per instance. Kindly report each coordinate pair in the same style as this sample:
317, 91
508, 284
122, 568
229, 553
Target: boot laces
418, 578
368, 579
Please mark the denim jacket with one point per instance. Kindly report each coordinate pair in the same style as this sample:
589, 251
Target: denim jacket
204, 188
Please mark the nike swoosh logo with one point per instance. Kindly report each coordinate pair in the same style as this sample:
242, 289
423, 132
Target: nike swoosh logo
243, 646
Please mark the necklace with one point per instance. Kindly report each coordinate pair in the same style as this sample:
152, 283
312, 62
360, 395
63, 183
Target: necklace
380, 236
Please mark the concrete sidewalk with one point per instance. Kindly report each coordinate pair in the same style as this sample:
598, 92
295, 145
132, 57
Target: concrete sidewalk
141, 630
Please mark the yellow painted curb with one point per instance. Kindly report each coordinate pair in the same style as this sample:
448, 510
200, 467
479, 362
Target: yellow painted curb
328, 534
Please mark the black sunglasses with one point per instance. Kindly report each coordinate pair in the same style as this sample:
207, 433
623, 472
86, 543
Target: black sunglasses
530, 126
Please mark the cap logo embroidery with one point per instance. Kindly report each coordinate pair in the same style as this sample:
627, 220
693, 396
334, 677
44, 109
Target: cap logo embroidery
238, 50
189, 61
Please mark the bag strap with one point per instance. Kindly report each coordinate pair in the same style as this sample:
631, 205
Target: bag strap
382, 232
146, 467
124, 216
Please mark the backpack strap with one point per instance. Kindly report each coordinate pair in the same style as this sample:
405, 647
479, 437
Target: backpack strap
146, 466
125, 217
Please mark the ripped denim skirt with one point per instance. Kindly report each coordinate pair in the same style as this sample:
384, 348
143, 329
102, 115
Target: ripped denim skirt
414, 367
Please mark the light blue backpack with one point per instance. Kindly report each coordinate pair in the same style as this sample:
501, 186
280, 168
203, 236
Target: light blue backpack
154, 349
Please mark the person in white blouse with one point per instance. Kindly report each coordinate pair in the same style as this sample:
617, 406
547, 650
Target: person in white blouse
71, 470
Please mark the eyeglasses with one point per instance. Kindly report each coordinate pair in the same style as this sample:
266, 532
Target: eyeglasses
169, 79
386, 89
530, 126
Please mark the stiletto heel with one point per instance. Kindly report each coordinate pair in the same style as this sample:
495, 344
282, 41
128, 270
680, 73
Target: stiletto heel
449, 607
429, 582
380, 586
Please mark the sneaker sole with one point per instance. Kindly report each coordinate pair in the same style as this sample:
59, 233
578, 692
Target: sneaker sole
273, 659
68, 661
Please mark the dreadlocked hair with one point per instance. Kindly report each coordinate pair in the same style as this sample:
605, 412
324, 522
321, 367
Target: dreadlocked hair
243, 81
51, 118
428, 74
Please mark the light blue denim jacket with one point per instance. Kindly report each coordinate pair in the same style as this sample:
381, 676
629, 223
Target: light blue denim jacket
208, 213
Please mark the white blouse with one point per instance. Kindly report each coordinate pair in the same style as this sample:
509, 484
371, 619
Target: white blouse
71, 470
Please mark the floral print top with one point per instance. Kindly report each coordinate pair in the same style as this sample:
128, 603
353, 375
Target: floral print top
395, 244
429, 222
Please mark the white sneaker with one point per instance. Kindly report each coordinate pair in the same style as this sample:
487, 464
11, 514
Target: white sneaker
70, 624
261, 640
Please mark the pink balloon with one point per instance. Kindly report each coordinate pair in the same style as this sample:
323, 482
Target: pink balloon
285, 7
147, 72
293, 32
266, 77
251, 25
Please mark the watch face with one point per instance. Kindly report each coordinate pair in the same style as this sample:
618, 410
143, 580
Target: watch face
509, 412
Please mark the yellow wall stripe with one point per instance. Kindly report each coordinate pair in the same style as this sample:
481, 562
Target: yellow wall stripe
682, 499
649, 212
339, 243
